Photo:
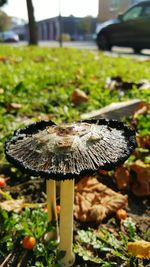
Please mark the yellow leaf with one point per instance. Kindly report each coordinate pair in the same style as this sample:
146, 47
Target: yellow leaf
140, 249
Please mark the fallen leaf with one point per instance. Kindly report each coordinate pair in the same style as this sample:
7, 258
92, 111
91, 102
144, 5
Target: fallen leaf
118, 83
143, 141
140, 249
141, 186
142, 109
4, 59
44, 117
116, 110
39, 59
78, 97
122, 177
15, 205
14, 106
94, 200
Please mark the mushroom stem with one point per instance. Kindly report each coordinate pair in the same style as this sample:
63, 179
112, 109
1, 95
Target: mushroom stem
66, 222
51, 207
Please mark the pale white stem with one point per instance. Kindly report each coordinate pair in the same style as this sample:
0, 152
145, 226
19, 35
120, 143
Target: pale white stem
51, 207
66, 222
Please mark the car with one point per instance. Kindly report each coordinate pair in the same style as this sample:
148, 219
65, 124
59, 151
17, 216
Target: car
9, 37
130, 29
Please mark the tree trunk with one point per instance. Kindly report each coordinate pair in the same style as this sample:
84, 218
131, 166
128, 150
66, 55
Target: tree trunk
33, 38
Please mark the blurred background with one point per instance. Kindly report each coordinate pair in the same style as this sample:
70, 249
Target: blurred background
60, 20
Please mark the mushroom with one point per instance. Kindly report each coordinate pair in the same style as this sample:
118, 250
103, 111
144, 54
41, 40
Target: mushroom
66, 151
34, 150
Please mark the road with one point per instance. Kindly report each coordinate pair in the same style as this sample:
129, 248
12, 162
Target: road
75, 44
116, 51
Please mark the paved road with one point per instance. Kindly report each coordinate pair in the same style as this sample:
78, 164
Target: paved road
116, 51
90, 45
75, 44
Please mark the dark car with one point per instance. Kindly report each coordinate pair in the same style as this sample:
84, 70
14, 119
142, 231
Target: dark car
130, 29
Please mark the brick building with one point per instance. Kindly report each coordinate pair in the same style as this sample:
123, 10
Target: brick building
111, 8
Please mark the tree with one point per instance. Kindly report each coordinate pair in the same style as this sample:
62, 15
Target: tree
4, 21
33, 38
3, 2
86, 24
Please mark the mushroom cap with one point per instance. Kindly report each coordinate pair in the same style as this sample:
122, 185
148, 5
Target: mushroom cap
69, 150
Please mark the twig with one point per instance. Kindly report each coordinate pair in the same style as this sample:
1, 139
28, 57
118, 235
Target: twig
22, 258
34, 205
6, 259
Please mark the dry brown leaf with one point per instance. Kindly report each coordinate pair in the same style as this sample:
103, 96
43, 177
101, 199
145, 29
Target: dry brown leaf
140, 249
97, 213
94, 200
15, 205
44, 117
117, 82
143, 141
4, 59
141, 187
122, 177
78, 96
14, 106
142, 109
39, 59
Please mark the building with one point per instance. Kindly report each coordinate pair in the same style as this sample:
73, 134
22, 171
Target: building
75, 28
109, 9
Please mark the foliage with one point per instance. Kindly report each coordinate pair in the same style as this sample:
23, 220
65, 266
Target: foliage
108, 248
101, 246
86, 24
131, 228
143, 123
3, 2
4, 21
35, 223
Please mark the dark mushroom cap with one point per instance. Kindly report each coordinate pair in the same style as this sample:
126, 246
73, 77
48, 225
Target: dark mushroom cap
68, 150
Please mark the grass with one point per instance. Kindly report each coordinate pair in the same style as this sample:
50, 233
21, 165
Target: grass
41, 80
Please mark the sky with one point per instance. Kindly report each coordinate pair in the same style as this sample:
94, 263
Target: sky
44, 9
